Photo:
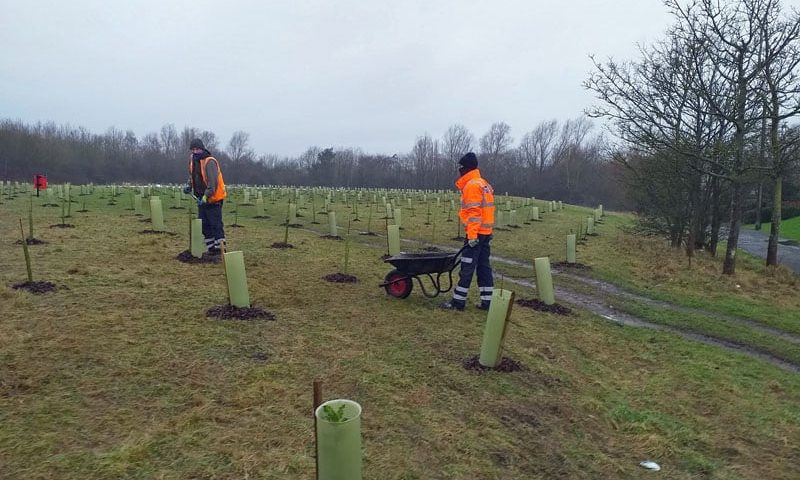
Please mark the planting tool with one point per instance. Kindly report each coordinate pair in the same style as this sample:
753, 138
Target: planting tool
410, 266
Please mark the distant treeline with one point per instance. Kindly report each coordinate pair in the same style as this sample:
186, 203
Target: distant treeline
564, 161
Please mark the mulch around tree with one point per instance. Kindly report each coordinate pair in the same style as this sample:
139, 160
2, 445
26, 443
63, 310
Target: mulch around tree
62, 225
506, 365
281, 245
236, 225
36, 287
340, 278
332, 237
262, 216
157, 232
260, 356
186, 257
368, 234
537, 304
229, 312
570, 266
31, 241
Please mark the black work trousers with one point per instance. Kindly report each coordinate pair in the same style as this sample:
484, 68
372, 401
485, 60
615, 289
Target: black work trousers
475, 259
213, 230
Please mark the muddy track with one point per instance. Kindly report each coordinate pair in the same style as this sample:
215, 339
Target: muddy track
599, 306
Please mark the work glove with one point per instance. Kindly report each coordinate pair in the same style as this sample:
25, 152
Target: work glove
187, 189
473, 243
202, 200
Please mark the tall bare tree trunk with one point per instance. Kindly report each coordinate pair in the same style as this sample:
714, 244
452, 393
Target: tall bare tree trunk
775, 227
729, 266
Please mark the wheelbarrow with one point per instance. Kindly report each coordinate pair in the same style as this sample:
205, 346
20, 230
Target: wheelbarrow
411, 266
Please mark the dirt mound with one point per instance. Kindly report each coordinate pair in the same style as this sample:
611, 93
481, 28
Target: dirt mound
281, 245
186, 257
331, 237
229, 312
37, 288
570, 266
506, 365
340, 278
31, 241
62, 225
536, 304
156, 232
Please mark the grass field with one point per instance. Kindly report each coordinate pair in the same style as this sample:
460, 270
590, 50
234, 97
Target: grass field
119, 374
790, 228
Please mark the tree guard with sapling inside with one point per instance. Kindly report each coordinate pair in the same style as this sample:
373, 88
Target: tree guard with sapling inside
338, 429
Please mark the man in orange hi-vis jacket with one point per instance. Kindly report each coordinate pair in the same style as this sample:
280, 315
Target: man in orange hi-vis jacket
208, 187
477, 214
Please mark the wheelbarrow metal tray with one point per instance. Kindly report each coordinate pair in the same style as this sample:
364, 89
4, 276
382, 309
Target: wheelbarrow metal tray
421, 263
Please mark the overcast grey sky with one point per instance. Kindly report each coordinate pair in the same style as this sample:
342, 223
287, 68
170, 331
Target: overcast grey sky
374, 74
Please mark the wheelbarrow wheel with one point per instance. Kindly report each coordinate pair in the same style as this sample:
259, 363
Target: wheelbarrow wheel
400, 286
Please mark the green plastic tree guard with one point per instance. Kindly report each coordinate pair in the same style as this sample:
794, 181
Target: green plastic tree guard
398, 217
512, 221
589, 226
137, 205
601, 210
571, 239
237, 279
536, 213
293, 214
544, 280
157, 214
332, 224
388, 210
198, 242
260, 206
339, 443
394, 239
495, 332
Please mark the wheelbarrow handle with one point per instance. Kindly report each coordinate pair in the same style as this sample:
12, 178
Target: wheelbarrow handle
458, 253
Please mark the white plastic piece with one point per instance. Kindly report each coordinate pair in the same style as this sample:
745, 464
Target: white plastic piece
650, 465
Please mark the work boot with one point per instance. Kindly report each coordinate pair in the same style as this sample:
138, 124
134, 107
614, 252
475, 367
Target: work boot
483, 306
449, 305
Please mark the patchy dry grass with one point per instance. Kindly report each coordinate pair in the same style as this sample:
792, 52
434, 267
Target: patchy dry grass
120, 375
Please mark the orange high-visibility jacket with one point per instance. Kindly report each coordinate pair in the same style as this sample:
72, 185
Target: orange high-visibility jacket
477, 204
219, 193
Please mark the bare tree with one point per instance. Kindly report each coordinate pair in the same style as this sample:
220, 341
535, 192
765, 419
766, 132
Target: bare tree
497, 141
537, 146
456, 142
238, 148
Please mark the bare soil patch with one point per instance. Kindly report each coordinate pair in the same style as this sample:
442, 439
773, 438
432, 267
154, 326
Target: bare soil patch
229, 312
536, 304
340, 278
35, 287
506, 365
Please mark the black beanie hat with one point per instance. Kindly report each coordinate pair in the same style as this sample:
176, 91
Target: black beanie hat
470, 161
196, 143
